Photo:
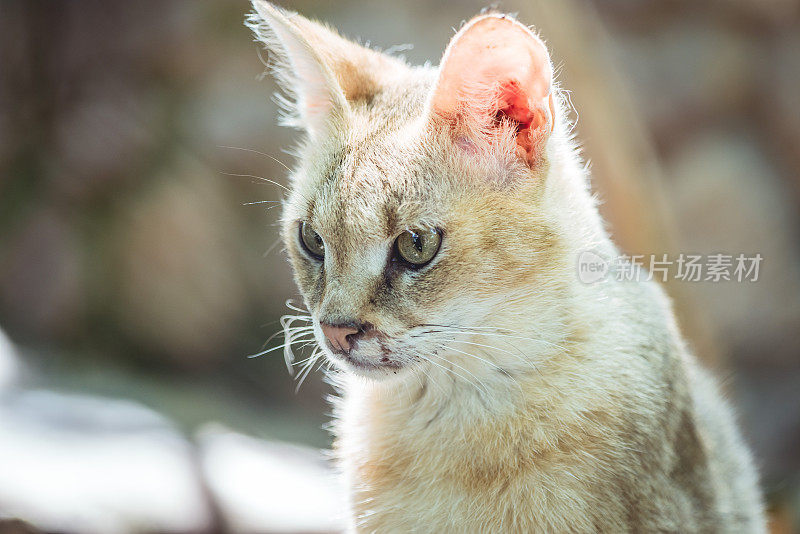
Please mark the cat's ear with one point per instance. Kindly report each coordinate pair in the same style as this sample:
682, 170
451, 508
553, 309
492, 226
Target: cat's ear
495, 75
319, 70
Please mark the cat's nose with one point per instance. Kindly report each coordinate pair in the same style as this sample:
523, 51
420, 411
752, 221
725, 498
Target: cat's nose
340, 336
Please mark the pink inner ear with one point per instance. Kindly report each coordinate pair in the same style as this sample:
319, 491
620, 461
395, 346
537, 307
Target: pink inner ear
496, 68
532, 121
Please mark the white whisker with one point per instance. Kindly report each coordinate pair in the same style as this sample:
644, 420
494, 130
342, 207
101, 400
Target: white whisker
273, 158
477, 384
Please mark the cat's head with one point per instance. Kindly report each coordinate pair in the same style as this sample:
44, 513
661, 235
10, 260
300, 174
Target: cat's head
430, 217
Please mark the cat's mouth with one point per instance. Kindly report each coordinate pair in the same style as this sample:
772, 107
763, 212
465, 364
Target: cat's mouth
365, 351
384, 363
369, 358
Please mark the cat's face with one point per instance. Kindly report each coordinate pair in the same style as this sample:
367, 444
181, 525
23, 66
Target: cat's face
411, 247
416, 222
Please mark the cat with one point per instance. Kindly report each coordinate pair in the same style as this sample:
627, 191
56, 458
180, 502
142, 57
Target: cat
433, 223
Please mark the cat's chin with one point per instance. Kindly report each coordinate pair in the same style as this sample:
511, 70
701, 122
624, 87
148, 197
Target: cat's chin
367, 368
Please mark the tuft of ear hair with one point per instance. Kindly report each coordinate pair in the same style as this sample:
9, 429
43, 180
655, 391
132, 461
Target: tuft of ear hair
496, 76
321, 72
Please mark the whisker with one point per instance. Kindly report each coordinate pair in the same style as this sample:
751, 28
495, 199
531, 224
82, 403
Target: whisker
273, 158
429, 360
286, 329
237, 175
487, 362
476, 384
282, 345
500, 332
306, 370
271, 247
301, 347
290, 304
303, 334
428, 376
519, 355
261, 202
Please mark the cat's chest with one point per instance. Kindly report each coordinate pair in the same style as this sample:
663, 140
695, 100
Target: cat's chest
436, 477
399, 491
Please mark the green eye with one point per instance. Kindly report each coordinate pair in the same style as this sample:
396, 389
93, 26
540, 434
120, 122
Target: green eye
311, 241
418, 247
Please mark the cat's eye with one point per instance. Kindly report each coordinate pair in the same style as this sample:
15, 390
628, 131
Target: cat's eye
418, 247
311, 241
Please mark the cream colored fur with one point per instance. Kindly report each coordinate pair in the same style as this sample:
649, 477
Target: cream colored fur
546, 405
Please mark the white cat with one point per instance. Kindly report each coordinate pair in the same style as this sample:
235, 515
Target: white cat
434, 222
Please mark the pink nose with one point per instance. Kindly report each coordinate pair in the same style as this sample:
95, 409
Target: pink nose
337, 335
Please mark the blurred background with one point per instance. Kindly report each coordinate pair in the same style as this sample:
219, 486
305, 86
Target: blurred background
135, 278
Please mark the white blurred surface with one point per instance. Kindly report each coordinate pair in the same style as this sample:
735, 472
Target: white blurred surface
263, 486
93, 465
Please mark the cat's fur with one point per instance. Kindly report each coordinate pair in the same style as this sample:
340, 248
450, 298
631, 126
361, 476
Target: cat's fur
541, 404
